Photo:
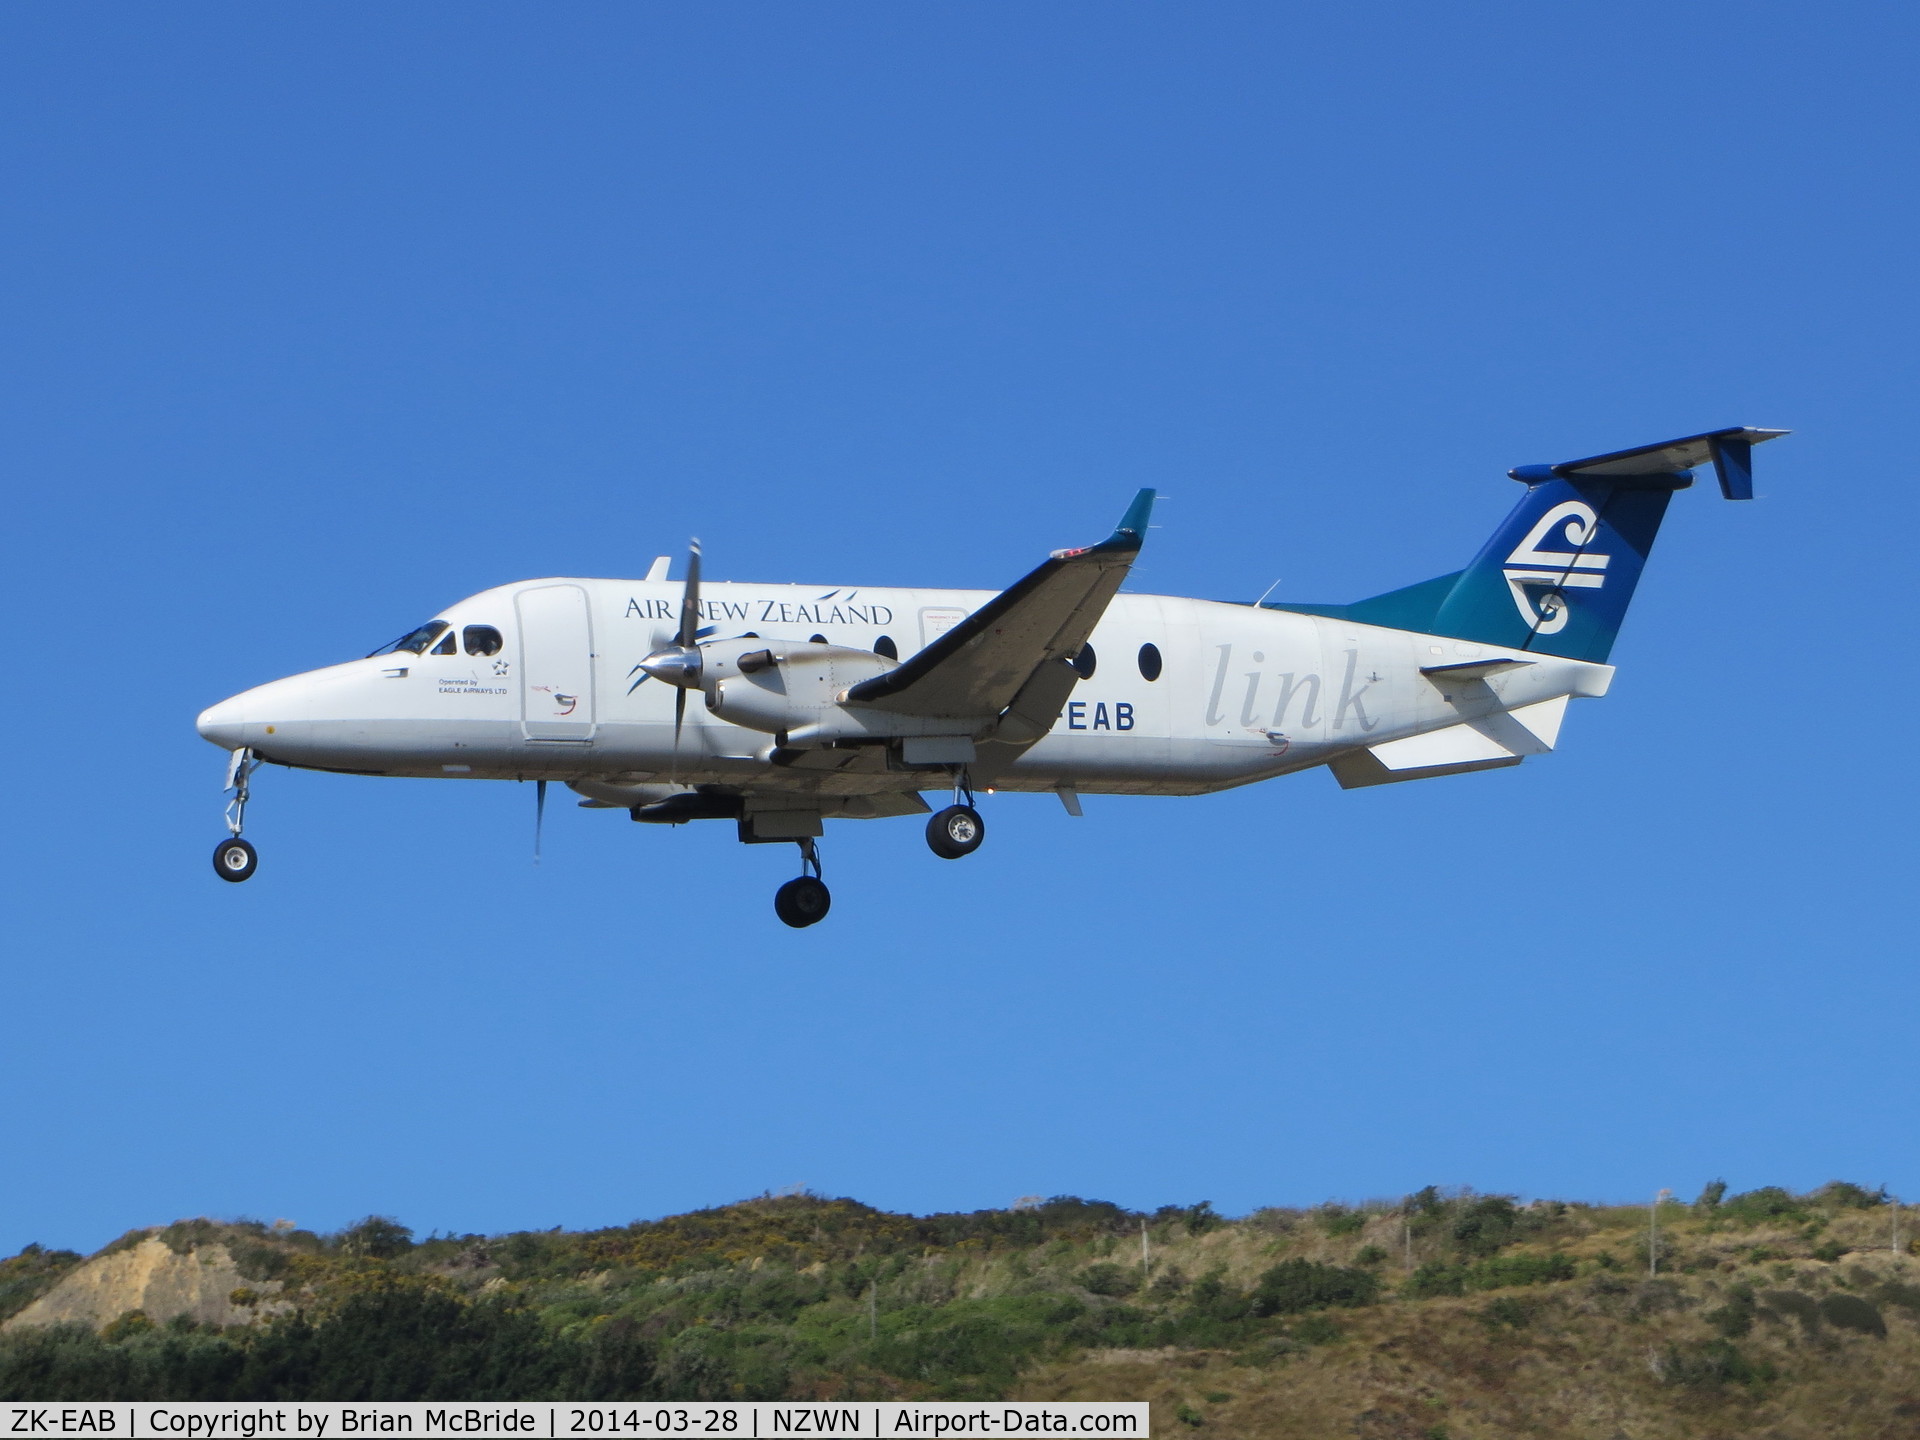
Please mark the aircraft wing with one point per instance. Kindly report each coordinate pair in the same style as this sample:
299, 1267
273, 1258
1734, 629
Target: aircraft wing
1040, 621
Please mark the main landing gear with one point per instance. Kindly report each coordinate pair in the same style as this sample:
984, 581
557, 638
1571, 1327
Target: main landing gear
958, 829
233, 858
804, 900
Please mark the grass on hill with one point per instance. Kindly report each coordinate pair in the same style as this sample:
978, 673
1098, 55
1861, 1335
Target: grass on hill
1439, 1317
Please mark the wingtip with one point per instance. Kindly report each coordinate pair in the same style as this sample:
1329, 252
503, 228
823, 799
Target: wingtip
1128, 535
1134, 522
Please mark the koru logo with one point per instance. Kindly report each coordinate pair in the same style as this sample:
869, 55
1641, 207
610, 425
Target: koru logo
1539, 578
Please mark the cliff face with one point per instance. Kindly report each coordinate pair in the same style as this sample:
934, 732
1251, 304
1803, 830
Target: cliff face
152, 1277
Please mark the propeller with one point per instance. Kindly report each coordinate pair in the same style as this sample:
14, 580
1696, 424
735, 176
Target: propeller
689, 629
678, 664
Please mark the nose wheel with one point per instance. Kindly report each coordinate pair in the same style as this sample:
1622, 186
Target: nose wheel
233, 858
804, 900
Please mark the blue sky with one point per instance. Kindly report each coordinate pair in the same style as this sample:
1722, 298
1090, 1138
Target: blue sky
321, 317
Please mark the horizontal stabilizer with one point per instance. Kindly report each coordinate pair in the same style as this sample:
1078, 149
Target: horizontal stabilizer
1730, 450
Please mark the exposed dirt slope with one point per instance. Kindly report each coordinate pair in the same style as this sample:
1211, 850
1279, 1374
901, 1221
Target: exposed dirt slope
152, 1277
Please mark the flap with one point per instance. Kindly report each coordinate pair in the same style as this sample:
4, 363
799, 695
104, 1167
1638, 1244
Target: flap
979, 666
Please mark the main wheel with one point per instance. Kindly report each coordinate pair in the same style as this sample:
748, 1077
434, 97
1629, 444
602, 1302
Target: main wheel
956, 831
234, 860
802, 902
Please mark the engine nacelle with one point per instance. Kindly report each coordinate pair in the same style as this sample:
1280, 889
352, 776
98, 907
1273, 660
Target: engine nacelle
781, 686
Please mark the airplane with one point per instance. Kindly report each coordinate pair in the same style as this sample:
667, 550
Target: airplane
1060, 683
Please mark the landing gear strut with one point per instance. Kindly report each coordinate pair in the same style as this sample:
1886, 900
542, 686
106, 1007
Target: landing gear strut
804, 900
958, 829
233, 858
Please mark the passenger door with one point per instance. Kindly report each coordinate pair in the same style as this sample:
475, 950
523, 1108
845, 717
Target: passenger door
556, 664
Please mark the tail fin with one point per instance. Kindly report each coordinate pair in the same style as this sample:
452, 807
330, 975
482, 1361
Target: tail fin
1558, 573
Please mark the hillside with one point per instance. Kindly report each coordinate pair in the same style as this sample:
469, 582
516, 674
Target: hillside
1440, 1317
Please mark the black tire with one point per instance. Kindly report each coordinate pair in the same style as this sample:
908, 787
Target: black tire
956, 831
234, 860
802, 902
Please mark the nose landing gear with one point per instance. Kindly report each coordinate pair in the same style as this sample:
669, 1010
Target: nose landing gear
804, 900
233, 858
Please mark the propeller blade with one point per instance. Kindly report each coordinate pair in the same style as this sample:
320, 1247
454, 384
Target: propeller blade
539, 815
690, 600
679, 714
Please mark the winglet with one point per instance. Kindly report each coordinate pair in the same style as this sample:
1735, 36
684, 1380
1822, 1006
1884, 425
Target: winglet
1731, 451
1128, 536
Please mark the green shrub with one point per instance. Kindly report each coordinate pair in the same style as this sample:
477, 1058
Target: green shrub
1794, 1304
30, 1274
1716, 1363
1735, 1318
1484, 1224
1842, 1195
378, 1237
1850, 1312
1169, 1282
1505, 1270
1506, 1311
1109, 1279
128, 1324
1896, 1292
1369, 1255
1439, 1278
1336, 1220
1756, 1207
1296, 1285
1201, 1218
1317, 1330
1433, 1279
1710, 1198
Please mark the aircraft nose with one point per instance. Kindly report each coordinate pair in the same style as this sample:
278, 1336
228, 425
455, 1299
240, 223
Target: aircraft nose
223, 724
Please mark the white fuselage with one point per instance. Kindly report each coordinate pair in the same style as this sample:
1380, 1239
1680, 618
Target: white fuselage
1242, 693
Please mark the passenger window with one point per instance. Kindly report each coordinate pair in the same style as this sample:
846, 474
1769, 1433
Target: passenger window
446, 646
885, 646
1150, 661
1084, 662
482, 640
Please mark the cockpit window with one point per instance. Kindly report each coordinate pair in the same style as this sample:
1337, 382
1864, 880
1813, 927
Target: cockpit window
415, 641
482, 640
446, 645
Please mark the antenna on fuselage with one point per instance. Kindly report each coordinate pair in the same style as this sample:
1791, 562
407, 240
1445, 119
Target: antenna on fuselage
539, 815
